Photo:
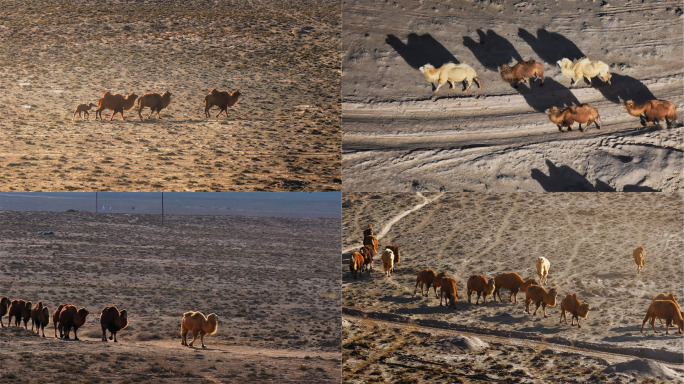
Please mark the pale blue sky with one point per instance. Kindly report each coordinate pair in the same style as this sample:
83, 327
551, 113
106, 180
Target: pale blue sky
277, 204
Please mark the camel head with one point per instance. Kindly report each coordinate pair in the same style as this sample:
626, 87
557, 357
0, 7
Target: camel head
563, 63
427, 68
552, 111
629, 104
553, 294
583, 310
491, 285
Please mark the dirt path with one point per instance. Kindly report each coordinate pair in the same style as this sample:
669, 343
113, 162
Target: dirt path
498, 137
398, 217
543, 343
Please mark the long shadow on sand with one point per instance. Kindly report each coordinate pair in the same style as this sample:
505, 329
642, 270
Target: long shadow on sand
566, 179
502, 318
638, 188
632, 333
542, 329
552, 93
420, 50
491, 50
622, 88
436, 308
551, 46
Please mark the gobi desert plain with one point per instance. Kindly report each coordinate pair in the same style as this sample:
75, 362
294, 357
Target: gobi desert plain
391, 334
277, 301
282, 134
398, 135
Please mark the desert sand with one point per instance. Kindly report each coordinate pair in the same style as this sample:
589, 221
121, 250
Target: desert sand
391, 334
283, 134
278, 302
399, 136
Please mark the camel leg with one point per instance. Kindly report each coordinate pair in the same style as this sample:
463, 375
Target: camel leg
478, 297
544, 309
221, 110
477, 80
469, 84
104, 334
114, 337
438, 86
194, 337
535, 310
202, 339
653, 325
184, 337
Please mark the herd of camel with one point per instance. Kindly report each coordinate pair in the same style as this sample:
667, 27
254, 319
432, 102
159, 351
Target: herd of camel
67, 317
651, 111
154, 101
663, 307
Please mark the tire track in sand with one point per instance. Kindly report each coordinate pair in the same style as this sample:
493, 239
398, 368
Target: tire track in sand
396, 219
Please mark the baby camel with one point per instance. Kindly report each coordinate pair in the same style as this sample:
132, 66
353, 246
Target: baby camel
83, 109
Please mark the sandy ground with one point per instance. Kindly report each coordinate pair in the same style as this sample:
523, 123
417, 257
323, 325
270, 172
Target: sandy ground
277, 302
390, 333
498, 138
283, 134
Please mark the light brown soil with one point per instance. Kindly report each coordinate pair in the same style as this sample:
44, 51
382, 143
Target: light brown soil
277, 302
283, 134
588, 239
399, 136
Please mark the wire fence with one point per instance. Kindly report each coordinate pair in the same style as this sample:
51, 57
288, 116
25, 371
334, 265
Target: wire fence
277, 204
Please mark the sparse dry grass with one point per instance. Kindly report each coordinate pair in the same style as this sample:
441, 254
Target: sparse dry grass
205, 263
283, 134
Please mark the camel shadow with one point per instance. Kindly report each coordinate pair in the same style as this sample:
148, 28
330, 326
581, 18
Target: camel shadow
503, 318
420, 50
566, 179
551, 94
551, 46
491, 50
638, 188
433, 309
623, 88
633, 334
